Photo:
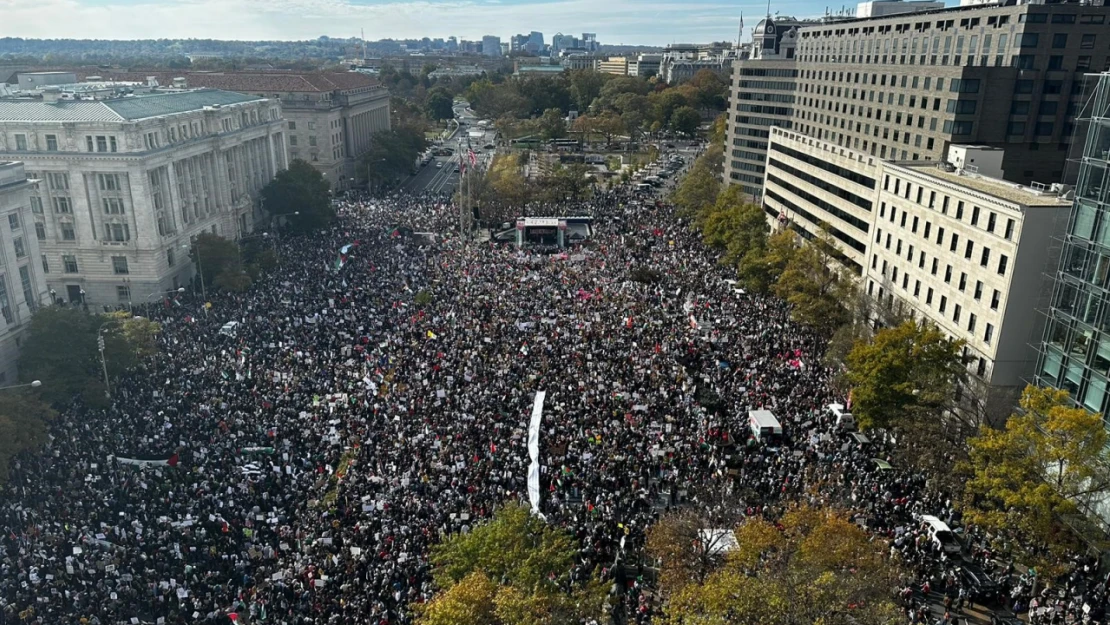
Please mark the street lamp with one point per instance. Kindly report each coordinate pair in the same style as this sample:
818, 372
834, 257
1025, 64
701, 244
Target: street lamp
34, 384
103, 364
53, 297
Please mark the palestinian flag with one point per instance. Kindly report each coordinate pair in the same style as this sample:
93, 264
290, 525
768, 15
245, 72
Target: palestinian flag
149, 461
343, 255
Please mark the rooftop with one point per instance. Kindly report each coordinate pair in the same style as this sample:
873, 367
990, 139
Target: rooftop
1001, 189
131, 108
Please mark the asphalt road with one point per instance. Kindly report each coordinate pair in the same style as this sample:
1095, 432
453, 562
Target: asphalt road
439, 175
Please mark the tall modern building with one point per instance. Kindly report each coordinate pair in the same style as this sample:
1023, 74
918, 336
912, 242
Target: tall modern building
1076, 348
491, 45
906, 86
126, 183
22, 287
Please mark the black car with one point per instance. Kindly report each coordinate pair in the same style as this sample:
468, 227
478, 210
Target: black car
982, 589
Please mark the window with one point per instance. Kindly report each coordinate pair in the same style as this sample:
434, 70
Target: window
69, 262
991, 219
113, 206
170, 257
1009, 229
5, 305
1015, 128
62, 205
978, 289
943, 303
68, 233
40, 231
58, 181
1063, 18
119, 265
112, 144
985, 258
1055, 62
108, 182
1019, 107
19, 247
312, 125
969, 249
1043, 129
1060, 40
975, 215
117, 232
1003, 260
45, 264
956, 310
988, 336
293, 140
1088, 41
995, 299
51, 143
312, 140
292, 125
89, 144
1027, 40
123, 293
21, 143
13, 222
929, 296
36, 204
101, 143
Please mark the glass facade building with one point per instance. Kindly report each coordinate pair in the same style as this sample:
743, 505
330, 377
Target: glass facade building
1075, 355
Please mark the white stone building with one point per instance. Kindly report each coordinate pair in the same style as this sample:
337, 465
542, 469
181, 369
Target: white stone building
126, 183
22, 287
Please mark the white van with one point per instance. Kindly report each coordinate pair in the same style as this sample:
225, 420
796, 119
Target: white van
231, 328
940, 533
765, 427
844, 419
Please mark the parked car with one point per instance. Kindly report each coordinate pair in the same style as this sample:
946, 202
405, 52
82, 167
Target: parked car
981, 588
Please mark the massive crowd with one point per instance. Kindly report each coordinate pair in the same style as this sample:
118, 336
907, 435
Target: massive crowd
356, 416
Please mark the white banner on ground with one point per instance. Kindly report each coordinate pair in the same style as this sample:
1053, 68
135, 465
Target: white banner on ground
534, 453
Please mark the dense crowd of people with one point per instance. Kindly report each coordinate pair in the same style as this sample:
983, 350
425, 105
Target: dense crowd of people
355, 416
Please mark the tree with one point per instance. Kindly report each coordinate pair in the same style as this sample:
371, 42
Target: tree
585, 87
24, 426
439, 104
734, 226
687, 554
552, 125
214, 255
1030, 480
759, 269
392, 155
61, 350
299, 195
720, 129
685, 120
903, 367
816, 288
663, 105
511, 570
698, 190
814, 566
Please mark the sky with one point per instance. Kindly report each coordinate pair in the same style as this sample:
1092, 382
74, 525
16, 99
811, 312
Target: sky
633, 22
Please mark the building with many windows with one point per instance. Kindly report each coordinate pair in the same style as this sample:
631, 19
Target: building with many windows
907, 86
330, 116
964, 250
22, 288
126, 183
1075, 354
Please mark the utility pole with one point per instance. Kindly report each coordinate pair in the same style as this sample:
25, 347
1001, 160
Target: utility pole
103, 363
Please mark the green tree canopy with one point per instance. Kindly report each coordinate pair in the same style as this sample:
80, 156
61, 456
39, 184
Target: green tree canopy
697, 192
816, 287
392, 155
512, 570
552, 125
1032, 481
817, 567
439, 104
909, 366
214, 255
24, 426
685, 120
301, 189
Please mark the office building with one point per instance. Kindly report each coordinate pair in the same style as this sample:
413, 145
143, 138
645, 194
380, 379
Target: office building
616, 65
645, 65
331, 116
885, 8
964, 250
22, 288
491, 46
907, 86
126, 183
1076, 348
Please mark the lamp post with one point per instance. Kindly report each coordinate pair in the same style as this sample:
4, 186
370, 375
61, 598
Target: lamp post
34, 384
53, 297
179, 289
103, 363
200, 268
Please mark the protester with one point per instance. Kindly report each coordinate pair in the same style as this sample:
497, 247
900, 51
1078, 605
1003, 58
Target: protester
371, 402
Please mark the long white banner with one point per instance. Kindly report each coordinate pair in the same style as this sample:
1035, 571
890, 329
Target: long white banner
534, 453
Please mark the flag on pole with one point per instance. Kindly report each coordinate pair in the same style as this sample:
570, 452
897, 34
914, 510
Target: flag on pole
343, 255
471, 156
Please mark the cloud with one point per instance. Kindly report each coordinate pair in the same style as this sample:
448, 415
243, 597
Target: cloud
616, 21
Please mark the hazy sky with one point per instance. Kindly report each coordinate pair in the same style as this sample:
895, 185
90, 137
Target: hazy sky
647, 22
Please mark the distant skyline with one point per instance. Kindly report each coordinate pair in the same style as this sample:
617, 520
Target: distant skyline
630, 22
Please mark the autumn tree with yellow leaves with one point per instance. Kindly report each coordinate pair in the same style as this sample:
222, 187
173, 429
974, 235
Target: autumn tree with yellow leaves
814, 566
1032, 482
512, 570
